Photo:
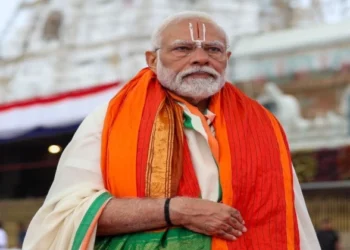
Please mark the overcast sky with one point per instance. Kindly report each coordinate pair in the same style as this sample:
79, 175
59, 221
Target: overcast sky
7, 8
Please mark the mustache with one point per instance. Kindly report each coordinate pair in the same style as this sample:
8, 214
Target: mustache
199, 69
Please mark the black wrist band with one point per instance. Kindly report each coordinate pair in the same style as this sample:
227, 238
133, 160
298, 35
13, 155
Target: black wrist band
167, 213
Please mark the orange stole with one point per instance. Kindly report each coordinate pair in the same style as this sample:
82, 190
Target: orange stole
151, 154
255, 172
144, 153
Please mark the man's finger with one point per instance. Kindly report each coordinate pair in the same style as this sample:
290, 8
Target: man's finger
226, 236
237, 215
232, 231
233, 222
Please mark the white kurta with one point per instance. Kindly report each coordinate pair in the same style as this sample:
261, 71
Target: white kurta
80, 166
3, 239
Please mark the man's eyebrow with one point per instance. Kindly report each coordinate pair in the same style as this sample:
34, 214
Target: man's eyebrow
216, 42
181, 42
187, 42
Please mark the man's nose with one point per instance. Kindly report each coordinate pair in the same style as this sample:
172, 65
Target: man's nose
199, 57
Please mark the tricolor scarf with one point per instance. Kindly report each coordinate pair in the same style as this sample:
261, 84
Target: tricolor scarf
145, 154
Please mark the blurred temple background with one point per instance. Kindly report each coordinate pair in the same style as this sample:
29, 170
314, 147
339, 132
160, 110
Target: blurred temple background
59, 59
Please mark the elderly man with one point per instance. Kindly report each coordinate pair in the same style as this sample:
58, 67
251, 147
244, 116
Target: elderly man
178, 159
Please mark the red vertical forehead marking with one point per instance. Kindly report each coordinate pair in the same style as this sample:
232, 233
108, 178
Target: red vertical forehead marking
198, 31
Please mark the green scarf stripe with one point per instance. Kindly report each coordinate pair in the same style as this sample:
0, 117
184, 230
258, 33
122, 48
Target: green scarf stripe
169, 239
220, 187
88, 218
188, 121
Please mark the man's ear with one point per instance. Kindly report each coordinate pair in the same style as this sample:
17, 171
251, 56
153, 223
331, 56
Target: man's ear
228, 55
151, 59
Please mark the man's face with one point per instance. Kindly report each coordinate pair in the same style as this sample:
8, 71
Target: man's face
192, 59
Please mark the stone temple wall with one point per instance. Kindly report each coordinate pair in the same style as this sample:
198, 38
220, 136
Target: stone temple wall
61, 45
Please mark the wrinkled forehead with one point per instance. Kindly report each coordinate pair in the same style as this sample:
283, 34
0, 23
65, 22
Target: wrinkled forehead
192, 29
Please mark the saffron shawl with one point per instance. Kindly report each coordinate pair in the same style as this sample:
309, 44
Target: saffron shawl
145, 154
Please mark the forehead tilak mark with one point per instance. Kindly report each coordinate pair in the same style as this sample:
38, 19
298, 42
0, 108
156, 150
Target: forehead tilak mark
197, 41
198, 30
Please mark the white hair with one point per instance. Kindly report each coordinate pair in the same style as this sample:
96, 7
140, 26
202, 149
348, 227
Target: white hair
173, 19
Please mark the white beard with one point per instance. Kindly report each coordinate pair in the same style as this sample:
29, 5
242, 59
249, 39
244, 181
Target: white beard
197, 89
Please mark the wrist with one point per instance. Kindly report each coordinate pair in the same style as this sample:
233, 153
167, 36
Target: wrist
176, 208
168, 221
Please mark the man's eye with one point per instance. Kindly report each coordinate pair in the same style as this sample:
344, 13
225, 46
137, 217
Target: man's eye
214, 49
182, 48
